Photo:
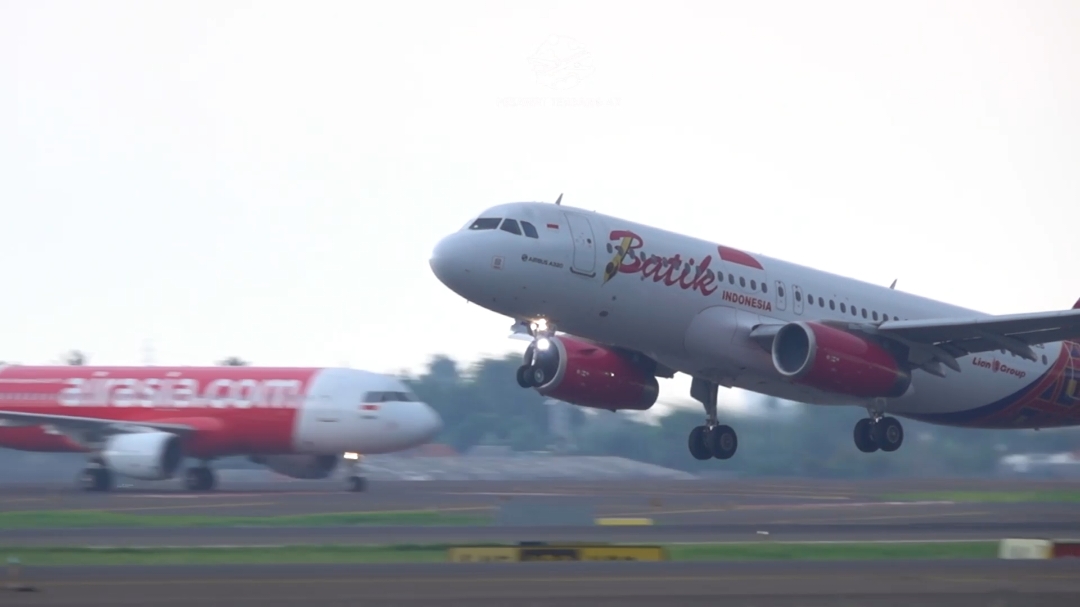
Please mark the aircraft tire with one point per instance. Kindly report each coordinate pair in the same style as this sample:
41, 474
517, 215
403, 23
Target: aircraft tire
523, 378
357, 483
888, 434
95, 479
698, 448
864, 438
200, 479
722, 442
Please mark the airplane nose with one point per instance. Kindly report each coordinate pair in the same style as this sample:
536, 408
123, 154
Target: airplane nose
431, 422
442, 259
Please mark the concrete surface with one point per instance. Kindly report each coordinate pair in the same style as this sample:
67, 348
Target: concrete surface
761, 584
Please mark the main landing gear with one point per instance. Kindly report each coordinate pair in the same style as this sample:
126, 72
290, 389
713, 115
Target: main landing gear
96, 476
878, 432
712, 439
200, 478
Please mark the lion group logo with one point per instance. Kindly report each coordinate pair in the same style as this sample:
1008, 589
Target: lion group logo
561, 63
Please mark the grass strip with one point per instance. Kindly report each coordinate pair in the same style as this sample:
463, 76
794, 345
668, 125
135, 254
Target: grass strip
1051, 495
433, 553
103, 518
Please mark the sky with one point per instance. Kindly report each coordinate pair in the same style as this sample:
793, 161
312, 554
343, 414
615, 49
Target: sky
185, 181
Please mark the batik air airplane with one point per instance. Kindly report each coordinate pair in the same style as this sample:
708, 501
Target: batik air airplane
142, 422
611, 305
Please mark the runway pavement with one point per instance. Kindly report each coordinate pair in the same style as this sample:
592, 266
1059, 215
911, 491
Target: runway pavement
696, 511
761, 584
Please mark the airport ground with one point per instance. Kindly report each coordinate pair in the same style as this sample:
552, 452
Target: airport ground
682, 511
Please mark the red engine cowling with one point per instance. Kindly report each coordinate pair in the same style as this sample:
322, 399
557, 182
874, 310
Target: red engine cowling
590, 375
836, 361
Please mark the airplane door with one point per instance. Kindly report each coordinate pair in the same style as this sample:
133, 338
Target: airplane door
325, 411
584, 244
781, 296
797, 304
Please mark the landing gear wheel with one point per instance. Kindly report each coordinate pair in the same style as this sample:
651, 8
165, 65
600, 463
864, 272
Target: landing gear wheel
357, 483
888, 434
199, 479
698, 448
722, 442
524, 379
864, 438
538, 377
96, 479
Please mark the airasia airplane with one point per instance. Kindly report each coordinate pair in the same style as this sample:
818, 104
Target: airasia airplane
632, 303
141, 422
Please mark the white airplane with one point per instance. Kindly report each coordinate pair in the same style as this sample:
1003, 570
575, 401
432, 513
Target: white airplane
611, 305
141, 422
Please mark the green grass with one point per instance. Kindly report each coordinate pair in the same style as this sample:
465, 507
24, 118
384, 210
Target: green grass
434, 553
1053, 495
102, 518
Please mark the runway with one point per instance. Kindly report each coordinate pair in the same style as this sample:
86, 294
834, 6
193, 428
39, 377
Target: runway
682, 511
760, 584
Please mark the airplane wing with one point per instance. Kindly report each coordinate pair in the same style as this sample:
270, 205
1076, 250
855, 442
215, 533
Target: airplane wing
935, 342
85, 429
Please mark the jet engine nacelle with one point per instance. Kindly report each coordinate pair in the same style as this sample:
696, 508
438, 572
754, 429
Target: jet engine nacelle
309, 467
588, 374
148, 456
834, 360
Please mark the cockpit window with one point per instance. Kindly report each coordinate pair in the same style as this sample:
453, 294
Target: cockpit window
486, 223
529, 229
510, 225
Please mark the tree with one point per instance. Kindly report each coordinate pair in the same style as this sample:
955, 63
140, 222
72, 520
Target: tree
233, 361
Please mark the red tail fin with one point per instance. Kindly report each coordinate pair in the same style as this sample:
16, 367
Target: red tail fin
1076, 306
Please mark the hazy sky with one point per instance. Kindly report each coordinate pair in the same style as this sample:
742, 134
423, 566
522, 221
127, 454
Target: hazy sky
267, 179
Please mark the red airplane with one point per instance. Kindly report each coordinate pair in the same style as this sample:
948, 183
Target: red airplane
141, 422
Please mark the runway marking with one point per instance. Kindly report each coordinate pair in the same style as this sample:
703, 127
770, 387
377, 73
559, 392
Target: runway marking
873, 518
783, 507
171, 507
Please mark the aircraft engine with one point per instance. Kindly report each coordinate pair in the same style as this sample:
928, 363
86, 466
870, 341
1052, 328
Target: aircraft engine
836, 361
309, 467
148, 456
588, 374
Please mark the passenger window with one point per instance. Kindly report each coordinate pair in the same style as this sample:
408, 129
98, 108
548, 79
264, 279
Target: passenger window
510, 225
742, 281
731, 278
753, 285
821, 302
854, 310
832, 304
798, 296
875, 315
864, 312
1044, 359
529, 229
486, 223
764, 288
843, 307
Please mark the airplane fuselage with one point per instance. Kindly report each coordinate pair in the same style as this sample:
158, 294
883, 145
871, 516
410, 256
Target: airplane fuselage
691, 305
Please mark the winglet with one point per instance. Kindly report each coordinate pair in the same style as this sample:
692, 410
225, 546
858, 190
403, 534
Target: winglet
559, 199
1076, 306
893, 286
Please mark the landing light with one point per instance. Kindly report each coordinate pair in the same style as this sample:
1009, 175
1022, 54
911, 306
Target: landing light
540, 325
352, 455
543, 343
